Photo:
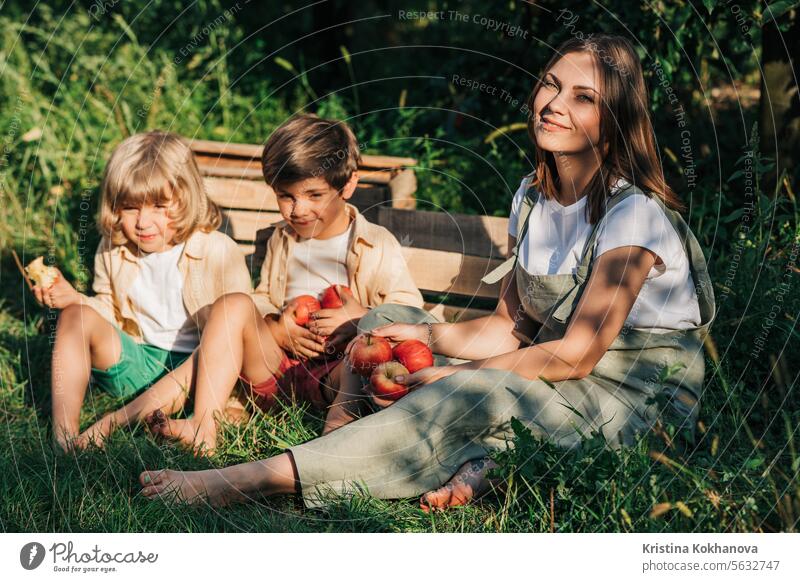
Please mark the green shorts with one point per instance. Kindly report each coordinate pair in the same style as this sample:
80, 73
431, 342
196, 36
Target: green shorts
139, 366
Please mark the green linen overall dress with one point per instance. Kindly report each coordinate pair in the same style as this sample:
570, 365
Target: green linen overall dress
420, 441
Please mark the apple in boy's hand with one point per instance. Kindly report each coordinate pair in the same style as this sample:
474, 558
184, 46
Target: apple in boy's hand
383, 384
331, 299
367, 352
413, 354
304, 306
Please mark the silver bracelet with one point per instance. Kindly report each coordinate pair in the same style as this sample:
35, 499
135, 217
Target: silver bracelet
430, 333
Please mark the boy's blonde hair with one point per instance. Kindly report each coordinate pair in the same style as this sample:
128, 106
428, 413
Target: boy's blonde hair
156, 167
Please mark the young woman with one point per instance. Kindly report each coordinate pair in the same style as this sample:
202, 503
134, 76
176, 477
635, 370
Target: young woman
603, 274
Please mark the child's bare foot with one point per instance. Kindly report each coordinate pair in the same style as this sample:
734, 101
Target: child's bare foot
340, 414
190, 487
66, 443
200, 437
236, 412
468, 483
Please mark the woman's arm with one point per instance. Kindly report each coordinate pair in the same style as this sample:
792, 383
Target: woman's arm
615, 282
490, 335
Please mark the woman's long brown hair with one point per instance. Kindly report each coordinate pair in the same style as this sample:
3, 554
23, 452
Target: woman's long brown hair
626, 132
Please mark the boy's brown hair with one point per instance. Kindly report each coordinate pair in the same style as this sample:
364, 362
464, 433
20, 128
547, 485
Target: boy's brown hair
156, 167
308, 146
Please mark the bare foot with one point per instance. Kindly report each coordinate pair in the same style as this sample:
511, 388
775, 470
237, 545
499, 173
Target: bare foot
202, 438
340, 414
67, 444
190, 487
236, 412
468, 483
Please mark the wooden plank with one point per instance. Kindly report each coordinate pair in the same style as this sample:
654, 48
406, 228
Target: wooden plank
252, 151
223, 162
253, 195
253, 172
245, 150
446, 272
403, 187
242, 225
375, 176
241, 172
482, 236
242, 194
370, 161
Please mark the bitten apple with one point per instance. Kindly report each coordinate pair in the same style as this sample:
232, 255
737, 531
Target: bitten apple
331, 299
304, 306
383, 384
413, 354
368, 352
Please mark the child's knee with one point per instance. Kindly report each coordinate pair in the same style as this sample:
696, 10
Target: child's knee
76, 314
392, 313
233, 305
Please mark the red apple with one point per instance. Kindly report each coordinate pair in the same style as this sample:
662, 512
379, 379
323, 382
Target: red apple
330, 299
368, 352
413, 354
304, 306
383, 384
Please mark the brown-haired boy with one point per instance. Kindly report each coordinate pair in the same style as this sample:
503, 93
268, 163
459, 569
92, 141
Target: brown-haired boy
311, 163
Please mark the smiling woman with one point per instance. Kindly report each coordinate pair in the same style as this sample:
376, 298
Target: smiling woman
595, 246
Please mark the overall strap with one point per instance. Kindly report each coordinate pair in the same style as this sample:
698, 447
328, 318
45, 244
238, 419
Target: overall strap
528, 202
582, 272
697, 261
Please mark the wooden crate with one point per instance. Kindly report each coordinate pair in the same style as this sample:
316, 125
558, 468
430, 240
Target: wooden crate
447, 253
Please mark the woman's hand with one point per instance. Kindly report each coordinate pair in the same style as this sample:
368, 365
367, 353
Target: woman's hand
427, 376
413, 381
399, 332
59, 295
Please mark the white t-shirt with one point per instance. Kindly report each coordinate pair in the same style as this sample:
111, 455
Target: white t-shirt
557, 234
157, 300
315, 265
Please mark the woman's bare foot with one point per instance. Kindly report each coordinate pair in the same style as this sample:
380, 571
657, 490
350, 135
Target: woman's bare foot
468, 483
200, 437
190, 487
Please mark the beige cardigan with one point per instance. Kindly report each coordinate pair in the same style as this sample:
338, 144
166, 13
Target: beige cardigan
211, 264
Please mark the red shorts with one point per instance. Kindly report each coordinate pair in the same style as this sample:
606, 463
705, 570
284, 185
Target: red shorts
297, 379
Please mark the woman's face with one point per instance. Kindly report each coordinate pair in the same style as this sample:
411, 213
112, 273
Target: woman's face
567, 107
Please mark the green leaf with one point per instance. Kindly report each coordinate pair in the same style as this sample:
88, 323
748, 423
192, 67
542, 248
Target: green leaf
735, 175
709, 4
733, 215
777, 9
284, 64
754, 463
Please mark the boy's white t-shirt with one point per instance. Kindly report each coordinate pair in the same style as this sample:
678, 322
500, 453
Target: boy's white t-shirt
157, 300
557, 234
315, 265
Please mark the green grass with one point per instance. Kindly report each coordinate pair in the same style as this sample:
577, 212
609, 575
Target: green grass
741, 474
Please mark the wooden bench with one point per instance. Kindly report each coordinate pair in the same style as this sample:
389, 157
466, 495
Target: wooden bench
447, 253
